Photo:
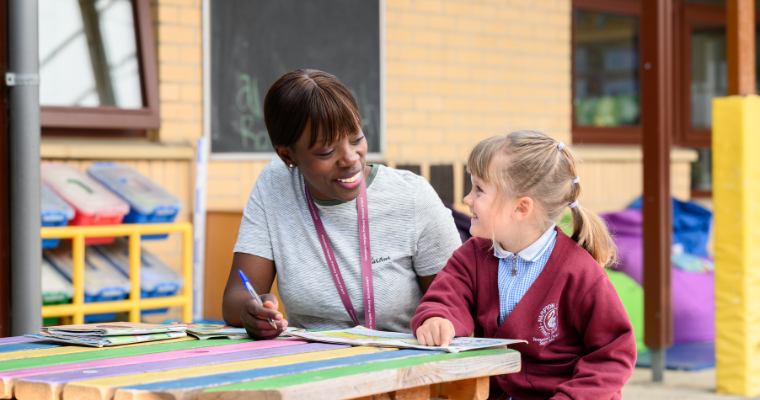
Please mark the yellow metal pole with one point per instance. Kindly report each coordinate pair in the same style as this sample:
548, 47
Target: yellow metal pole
736, 188
113, 306
134, 275
113, 230
187, 273
77, 253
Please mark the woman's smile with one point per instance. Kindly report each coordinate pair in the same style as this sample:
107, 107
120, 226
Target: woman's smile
350, 180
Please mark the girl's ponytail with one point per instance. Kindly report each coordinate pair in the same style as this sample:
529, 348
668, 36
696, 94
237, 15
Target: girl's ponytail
589, 231
592, 234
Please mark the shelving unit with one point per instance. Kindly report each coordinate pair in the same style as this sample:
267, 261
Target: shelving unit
133, 304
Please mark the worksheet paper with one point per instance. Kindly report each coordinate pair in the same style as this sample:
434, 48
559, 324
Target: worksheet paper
361, 336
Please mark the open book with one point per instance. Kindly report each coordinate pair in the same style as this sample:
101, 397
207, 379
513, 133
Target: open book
208, 331
361, 336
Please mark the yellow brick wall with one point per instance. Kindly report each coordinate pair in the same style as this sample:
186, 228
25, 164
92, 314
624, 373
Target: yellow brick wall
178, 32
612, 185
461, 71
457, 72
230, 183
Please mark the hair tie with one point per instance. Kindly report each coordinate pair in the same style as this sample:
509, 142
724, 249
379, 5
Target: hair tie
577, 179
561, 146
573, 204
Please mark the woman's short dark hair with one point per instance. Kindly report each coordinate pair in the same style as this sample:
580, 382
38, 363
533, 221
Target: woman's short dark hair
306, 95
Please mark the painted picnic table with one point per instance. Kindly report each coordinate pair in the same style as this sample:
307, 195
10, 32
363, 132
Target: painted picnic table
188, 369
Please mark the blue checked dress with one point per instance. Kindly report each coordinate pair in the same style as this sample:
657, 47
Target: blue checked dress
527, 264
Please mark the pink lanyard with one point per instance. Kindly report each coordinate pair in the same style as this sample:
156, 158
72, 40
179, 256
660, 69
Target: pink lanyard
366, 256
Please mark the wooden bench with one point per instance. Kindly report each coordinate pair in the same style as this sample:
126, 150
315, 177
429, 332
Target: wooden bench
189, 369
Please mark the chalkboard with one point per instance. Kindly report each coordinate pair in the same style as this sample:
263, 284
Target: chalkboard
254, 42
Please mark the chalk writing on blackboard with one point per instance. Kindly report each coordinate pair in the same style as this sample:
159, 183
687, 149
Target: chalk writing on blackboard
251, 114
248, 101
369, 112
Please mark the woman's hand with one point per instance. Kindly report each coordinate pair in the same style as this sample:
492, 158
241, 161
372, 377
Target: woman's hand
435, 331
255, 318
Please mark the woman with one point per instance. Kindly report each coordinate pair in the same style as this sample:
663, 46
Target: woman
310, 205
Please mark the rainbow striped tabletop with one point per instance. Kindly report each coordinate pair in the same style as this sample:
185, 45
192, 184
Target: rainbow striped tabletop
189, 369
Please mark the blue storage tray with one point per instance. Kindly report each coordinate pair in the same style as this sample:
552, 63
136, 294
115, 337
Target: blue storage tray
149, 202
103, 281
146, 295
54, 212
52, 243
107, 317
134, 217
156, 278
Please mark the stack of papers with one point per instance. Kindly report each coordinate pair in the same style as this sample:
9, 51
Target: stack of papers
109, 334
361, 336
208, 331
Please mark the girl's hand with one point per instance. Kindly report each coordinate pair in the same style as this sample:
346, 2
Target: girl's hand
435, 331
255, 318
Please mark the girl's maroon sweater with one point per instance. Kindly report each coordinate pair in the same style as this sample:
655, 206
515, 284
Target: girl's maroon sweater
580, 339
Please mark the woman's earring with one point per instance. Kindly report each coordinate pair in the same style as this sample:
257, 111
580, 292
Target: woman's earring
291, 165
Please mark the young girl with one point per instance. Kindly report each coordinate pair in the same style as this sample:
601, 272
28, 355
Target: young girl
521, 277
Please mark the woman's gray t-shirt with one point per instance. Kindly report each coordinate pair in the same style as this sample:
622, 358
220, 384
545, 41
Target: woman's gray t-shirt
411, 233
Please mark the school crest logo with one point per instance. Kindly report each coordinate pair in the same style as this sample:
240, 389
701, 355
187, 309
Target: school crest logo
547, 319
548, 324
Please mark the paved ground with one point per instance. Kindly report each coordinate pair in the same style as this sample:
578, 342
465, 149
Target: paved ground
699, 385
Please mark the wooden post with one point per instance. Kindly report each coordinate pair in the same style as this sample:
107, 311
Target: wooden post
740, 46
657, 119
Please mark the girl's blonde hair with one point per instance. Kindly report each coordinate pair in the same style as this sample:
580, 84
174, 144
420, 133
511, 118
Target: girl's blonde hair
532, 164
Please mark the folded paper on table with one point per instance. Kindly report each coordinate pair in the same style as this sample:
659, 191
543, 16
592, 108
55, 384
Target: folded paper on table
104, 341
113, 329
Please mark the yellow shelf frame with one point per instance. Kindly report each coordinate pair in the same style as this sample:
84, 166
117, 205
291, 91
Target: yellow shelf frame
134, 304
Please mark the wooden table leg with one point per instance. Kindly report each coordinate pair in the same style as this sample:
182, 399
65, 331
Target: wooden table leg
417, 393
466, 389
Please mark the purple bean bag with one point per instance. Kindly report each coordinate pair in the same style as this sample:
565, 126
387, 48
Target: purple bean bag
693, 293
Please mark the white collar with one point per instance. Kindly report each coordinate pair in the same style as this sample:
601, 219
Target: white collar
532, 252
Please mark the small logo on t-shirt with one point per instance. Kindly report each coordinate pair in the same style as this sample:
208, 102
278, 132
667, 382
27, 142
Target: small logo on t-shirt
548, 324
380, 259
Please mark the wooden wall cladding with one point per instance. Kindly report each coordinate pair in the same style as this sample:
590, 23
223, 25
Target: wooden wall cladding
441, 177
467, 182
442, 180
221, 235
414, 168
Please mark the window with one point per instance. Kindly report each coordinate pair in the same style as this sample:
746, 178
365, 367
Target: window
703, 60
606, 105
97, 66
606, 70
606, 77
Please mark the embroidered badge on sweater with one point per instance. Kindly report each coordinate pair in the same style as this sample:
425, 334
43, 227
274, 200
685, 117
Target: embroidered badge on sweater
548, 324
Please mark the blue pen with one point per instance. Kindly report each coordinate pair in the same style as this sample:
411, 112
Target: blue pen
256, 297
